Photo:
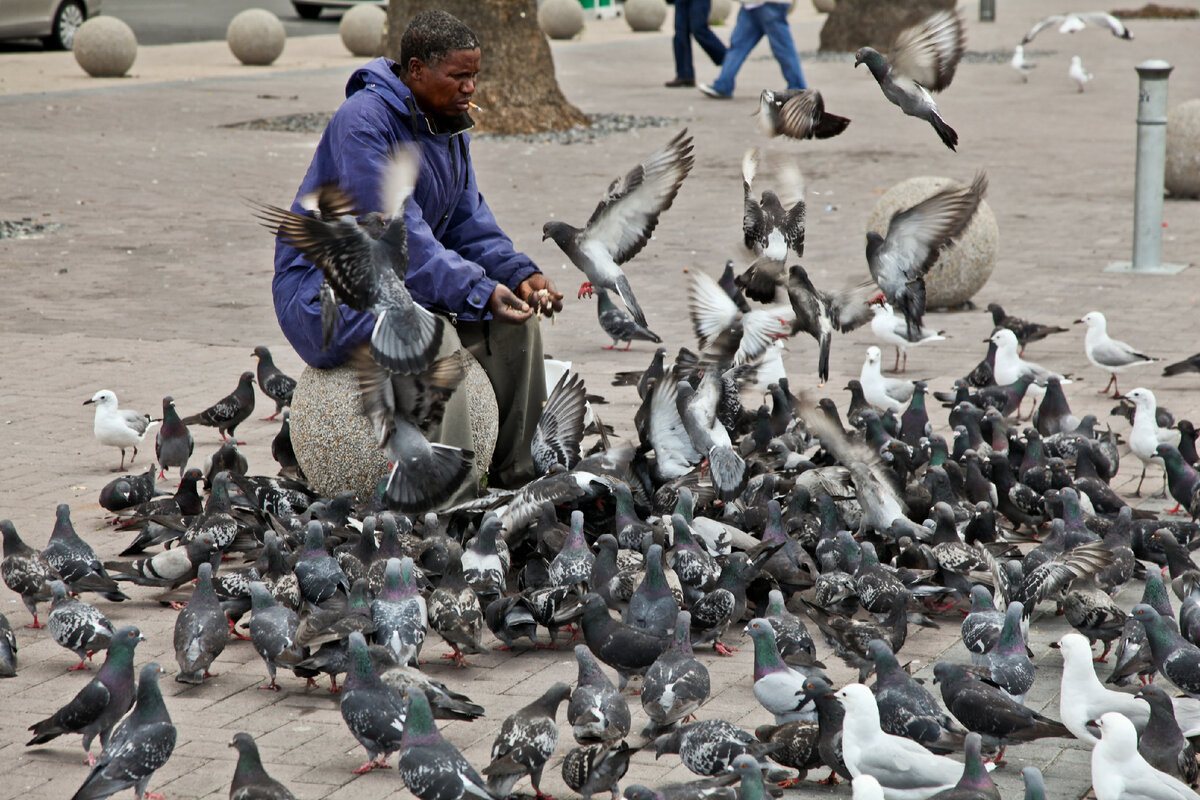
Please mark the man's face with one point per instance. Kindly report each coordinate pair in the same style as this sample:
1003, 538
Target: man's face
445, 88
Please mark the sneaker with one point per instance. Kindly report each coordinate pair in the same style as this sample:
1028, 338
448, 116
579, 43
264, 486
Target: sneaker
709, 91
678, 82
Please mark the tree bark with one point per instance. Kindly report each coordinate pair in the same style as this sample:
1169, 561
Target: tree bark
517, 89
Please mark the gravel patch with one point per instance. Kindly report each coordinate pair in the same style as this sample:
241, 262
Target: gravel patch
25, 228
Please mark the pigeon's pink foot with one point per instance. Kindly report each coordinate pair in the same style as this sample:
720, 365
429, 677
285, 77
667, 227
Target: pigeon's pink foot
81, 665
585, 289
721, 648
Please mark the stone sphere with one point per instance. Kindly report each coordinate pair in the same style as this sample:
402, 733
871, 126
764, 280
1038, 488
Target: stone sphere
720, 11
256, 37
361, 29
335, 443
963, 267
645, 15
824, 6
560, 19
105, 47
1183, 150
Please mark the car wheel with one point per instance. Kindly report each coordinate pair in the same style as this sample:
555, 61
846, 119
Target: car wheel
67, 19
307, 10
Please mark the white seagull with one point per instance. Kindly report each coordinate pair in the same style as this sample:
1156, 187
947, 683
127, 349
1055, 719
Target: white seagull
1077, 73
893, 330
1106, 353
1022, 65
883, 393
1010, 366
1146, 436
1120, 773
1077, 21
117, 427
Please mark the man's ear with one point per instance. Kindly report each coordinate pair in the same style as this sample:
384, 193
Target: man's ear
415, 67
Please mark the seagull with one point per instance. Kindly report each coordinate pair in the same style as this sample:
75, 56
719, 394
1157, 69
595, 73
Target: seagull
1010, 366
915, 237
1077, 21
1120, 773
798, 114
883, 393
1146, 435
1077, 73
116, 427
624, 220
1022, 65
1106, 353
923, 60
891, 330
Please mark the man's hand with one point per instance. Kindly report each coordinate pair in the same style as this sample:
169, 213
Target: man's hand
507, 307
539, 292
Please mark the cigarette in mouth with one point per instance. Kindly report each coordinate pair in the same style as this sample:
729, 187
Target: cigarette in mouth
472, 105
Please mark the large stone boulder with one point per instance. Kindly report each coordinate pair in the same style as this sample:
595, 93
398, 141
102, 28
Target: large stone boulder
361, 30
645, 15
852, 24
963, 267
1183, 150
256, 37
560, 19
105, 47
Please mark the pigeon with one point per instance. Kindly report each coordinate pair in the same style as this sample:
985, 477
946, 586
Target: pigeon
1008, 663
455, 613
915, 238
97, 708
729, 334
170, 568
890, 330
791, 636
652, 606
1035, 785
617, 323
676, 684
991, 712
174, 444
400, 613
1107, 353
1025, 331
8, 649
573, 564
273, 382
201, 630
365, 265
1162, 743
250, 780
1182, 480
283, 452
273, 632
138, 748
1077, 73
709, 747
1133, 650
588, 769
922, 59
318, 572
1083, 699
1189, 364
798, 114
117, 427
128, 491
431, 767
777, 686
1119, 771
527, 739
446, 704
76, 562
820, 313
77, 626
486, 560
885, 394
372, 711
1021, 64
230, 411
773, 224
698, 410
227, 458
906, 708
26, 571
1077, 21
597, 712
623, 221
1147, 434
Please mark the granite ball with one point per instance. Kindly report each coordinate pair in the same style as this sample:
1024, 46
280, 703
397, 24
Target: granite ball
560, 19
361, 30
645, 15
1182, 176
256, 37
720, 12
963, 267
105, 47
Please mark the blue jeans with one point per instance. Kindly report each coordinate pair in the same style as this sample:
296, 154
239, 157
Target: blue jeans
691, 21
770, 20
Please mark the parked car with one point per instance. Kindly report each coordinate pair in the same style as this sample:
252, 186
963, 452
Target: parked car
52, 21
312, 10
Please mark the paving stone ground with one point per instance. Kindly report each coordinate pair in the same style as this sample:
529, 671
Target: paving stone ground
158, 283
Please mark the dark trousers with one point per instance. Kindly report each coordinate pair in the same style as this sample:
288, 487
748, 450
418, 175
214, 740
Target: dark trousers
691, 21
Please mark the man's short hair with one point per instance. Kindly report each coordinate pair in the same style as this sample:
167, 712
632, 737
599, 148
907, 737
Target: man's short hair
433, 35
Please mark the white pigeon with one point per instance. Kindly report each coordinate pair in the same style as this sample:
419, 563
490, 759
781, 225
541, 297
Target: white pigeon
1077, 21
1083, 699
1120, 773
1109, 354
883, 393
1022, 65
1010, 366
117, 427
893, 330
904, 769
1077, 73
1146, 436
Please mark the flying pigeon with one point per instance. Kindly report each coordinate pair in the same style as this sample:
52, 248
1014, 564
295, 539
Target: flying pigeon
431, 767
819, 313
527, 739
622, 223
560, 426
201, 630
773, 223
230, 411
1077, 73
1109, 354
118, 427
722, 328
1077, 21
1119, 771
921, 60
250, 780
619, 325
77, 626
273, 382
798, 114
174, 444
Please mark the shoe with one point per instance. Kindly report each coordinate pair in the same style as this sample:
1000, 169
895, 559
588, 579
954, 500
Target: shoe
678, 82
709, 91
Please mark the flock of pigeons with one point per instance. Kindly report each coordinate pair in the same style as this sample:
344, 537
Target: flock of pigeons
793, 515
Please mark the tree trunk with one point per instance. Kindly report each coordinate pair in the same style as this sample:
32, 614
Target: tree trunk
517, 90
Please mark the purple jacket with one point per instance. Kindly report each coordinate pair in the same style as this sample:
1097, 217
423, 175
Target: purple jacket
456, 250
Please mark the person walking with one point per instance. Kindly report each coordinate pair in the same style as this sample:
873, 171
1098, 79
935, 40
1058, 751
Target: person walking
754, 21
691, 22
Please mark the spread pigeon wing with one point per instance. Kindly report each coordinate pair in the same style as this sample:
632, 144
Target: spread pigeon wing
711, 309
803, 116
915, 236
628, 213
560, 427
341, 242
929, 51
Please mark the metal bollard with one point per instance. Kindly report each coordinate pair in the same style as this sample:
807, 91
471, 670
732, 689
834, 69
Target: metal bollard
987, 10
1150, 171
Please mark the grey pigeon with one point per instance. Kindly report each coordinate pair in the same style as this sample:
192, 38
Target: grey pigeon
1132, 654
975, 783
170, 568
527, 739
273, 382
373, 712
1175, 657
400, 614
906, 708
597, 712
830, 716
773, 223
573, 564
230, 411
25, 570
227, 458
318, 572
623, 221
76, 562
77, 626
250, 780
445, 703
217, 518
431, 767
819, 313
560, 426
617, 323
915, 238
1026, 331
485, 560
1189, 364
201, 630
588, 769
1162, 743
719, 787
981, 627
8, 649
273, 632
652, 606
628, 650
455, 613
709, 747
1008, 662
128, 491
97, 708
797, 745
174, 443
138, 748
922, 59
676, 685
778, 687
791, 636
698, 411
798, 114
1035, 784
